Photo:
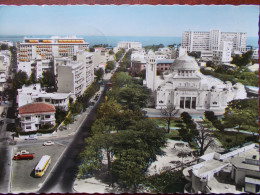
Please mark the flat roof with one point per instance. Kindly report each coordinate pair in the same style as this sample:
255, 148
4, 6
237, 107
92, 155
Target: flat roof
210, 165
239, 163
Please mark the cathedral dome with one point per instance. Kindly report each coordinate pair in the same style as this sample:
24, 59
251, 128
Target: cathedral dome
185, 62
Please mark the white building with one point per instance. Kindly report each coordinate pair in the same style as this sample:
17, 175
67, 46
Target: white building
186, 88
255, 55
74, 76
212, 40
100, 56
129, 45
48, 48
36, 115
34, 93
38, 66
235, 172
224, 54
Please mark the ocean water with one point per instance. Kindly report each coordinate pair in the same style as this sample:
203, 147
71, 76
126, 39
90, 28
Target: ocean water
113, 40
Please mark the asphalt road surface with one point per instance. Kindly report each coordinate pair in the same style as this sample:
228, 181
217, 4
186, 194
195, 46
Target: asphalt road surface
62, 177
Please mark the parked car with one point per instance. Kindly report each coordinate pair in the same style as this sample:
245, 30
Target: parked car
48, 143
31, 138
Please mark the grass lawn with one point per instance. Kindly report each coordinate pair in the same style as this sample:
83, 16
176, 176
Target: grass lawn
228, 139
162, 123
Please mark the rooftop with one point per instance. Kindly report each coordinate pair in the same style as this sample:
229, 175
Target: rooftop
36, 108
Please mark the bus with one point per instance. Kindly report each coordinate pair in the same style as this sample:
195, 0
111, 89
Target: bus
42, 166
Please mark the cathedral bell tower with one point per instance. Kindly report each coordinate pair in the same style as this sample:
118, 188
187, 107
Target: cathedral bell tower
151, 71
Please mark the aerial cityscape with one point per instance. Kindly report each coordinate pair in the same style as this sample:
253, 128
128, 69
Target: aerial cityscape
129, 99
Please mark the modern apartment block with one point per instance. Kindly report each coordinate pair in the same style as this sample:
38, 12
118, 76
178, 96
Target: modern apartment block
74, 75
212, 40
55, 46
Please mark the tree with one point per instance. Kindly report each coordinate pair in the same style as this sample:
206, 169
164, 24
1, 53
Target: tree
32, 78
48, 79
240, 113
169, 112
4, 47
20, 78
204, 138
110, 65
99, 73
187, 131
242, 60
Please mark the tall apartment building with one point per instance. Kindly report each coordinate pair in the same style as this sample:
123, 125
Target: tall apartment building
55, 46
74, 75
212, 40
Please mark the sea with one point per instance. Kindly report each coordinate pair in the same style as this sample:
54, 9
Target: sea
113, 40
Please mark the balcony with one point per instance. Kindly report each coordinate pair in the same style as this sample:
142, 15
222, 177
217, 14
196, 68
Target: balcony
47, 120
28, 121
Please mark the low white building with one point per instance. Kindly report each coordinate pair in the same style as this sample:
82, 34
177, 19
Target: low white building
34, 93
235, 172
35, 116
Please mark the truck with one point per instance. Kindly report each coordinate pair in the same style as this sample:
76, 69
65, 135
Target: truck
20, 156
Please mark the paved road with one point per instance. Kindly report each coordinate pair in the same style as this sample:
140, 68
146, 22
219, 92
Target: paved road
62, 177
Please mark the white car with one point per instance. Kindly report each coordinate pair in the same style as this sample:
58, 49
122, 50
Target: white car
31, 138
48, 143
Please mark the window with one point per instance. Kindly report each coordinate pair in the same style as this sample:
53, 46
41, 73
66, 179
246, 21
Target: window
47, 116
182, 102
28, 127
28, 118
187, 102
193, 103
47, 100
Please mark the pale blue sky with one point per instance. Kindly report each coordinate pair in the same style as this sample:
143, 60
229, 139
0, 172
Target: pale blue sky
125, 20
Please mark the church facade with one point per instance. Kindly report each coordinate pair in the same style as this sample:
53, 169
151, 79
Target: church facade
188, 89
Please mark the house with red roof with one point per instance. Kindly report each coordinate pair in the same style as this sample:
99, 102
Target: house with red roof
36, 115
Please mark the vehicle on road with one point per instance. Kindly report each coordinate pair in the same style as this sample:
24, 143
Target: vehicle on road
23, 156
30, 138
42, 166
48, 143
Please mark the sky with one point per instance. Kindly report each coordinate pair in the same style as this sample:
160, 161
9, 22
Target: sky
144, 20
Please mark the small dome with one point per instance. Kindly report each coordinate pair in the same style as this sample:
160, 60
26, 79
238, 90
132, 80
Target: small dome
185, 62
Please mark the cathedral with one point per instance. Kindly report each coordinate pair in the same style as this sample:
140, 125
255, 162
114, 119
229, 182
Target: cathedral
188, 89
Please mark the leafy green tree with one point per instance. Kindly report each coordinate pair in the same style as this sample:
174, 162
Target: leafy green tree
99, 73
48, 80
121, 79
110, 65
240, 113
4, 47
20, 78
76, 107
32, 78
242, 60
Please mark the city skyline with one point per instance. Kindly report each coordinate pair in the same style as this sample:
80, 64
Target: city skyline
126, 20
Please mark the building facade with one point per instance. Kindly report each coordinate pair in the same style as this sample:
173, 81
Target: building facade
129, 45
188, 89
212, 40
235, 172
35, 116
30, 48
34, 93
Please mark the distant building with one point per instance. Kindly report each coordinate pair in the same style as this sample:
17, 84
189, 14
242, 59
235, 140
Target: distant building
36, 115
255, 55
188, 89
48, 48
163, 64
235, 172
212, 40
129, 45
100, 56
34, 93
224, 54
